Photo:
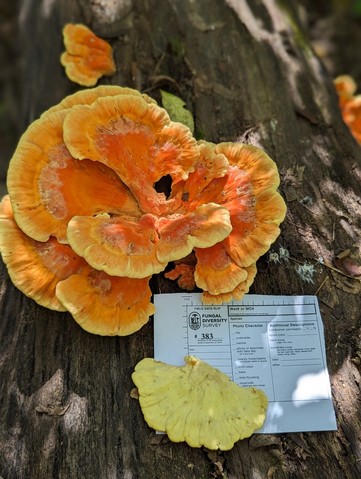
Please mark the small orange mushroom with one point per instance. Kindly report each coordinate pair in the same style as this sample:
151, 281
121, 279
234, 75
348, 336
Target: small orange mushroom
345, 87
183, 272
87, 57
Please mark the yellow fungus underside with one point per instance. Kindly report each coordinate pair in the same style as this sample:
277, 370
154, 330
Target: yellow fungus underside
197, 403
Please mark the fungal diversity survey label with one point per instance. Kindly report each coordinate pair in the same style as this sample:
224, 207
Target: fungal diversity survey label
273, 343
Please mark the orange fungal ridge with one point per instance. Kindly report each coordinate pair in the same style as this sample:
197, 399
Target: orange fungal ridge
85, 225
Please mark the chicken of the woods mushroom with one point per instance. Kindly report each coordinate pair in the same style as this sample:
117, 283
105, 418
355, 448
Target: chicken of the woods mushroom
87, 57
197, 403
84, 226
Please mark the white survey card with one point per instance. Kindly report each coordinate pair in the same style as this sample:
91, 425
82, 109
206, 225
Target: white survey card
273, 343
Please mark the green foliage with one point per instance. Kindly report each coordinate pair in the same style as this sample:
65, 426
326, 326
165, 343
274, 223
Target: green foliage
175, 107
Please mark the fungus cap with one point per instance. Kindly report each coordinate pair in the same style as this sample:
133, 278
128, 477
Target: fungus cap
351, 115
197, 403
47, 186
90, 95
215, 271
244, 180
118, 245
248, 190
345, 86
106, 305
179, 234
138, 248
35, 267
87, 57
137, 140
237, 293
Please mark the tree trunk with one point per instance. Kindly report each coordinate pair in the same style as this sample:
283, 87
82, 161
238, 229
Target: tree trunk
248, 73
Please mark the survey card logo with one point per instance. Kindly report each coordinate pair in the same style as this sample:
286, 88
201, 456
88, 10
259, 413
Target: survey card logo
194, 320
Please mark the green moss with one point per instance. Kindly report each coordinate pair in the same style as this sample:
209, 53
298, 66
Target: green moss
178, 48
300, 38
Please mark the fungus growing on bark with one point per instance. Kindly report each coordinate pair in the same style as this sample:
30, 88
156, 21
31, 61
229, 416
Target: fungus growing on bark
244, 180
345, 87
237, 293
35, 267
47, 186
141, 247
91, 192
197, 403
183, 272
87, 57
106, 305
141, 134
90, 95
350, 104
351, 115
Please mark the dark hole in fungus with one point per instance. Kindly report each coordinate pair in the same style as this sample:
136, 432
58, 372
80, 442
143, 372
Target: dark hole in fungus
164, 185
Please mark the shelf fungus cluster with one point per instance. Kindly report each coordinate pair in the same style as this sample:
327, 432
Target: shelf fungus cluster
197, 403
84, 226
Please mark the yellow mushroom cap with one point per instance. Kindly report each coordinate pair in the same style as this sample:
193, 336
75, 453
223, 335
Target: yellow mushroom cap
106, 305
35, 267
87, 57
197, 403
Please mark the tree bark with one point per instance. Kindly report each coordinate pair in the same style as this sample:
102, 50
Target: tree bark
248, 73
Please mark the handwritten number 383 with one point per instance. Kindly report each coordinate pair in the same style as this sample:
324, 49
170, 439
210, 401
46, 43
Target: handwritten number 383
207, 335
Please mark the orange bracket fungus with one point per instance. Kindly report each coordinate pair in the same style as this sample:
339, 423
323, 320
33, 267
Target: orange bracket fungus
197, 403
350, 104
87, 57
85, 226
244, 180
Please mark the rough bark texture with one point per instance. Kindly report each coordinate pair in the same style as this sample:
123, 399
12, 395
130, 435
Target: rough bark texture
248, 73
